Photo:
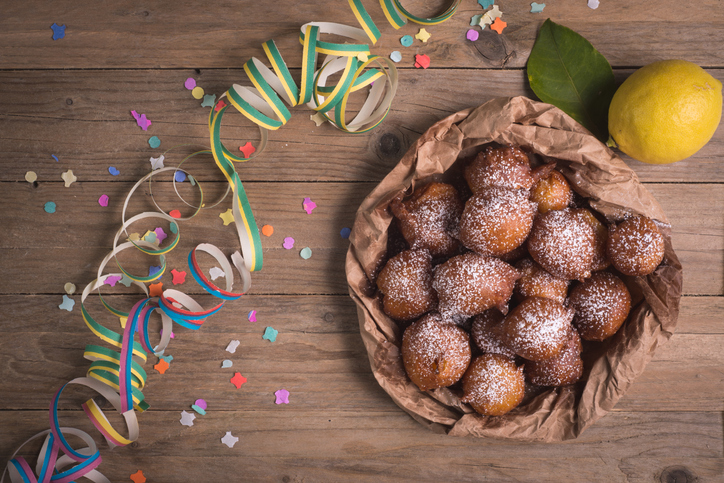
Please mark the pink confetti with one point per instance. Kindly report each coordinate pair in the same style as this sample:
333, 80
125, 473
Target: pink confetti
472, 35
190, 83
201, 403
288, 243
252, 316
103, 200
282, 396
112, 280
160, 234
309, 205
141, 120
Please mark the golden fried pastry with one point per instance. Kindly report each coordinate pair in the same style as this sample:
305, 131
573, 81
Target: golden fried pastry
600, 238
636, 246
470, 283
563, 244
536, 282
502, 167
435, 354
496, 221
515, 255
493, 384
537, 329
485, 332
552, 192
561, 370
428, 217
406, 282
602, 304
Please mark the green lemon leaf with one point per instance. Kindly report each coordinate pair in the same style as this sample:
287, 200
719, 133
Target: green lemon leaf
565, 70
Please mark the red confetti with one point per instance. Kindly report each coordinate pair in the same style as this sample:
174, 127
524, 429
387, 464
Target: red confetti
422, 60
178, 277
174, 214
219, 105
247, 149
238, 380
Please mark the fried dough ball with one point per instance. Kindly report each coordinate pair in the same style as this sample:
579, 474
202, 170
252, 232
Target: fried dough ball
428, 217
515, 255
485, 332
563, 244
636, 246
470, 283
564, 369
502, 167
552, 193
406, 282
602, 304
600, 238
435, 354
537, 329
536, 282
496, 221
493, 384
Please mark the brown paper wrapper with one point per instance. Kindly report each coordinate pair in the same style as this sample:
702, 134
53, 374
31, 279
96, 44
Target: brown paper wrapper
613, 189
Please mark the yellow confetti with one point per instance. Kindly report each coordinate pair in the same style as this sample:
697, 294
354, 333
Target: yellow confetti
123, 321
363, 56
69, 288
318, 118
423, 35
69, 178
31, 177
197, 92
227, 216
134, 237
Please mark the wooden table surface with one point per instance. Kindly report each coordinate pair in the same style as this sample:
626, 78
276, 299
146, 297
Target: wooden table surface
72, 98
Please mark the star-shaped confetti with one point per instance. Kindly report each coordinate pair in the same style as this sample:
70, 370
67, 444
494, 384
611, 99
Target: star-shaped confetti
150, 237
153, 270
103, 200
112, 280
69, 178
216, 272
252, 316
226, 363
162, 366
232, 346
537, 7
141, 119
160, 234
167, 358
485, 20
227, 217
187, 418
308, 205
494, 12
209, 100
282, 396
475, 20
422, 61
157, 163
178, 277
67, 304
229, 440
247, 149
486, 3
126, 280
238, 380
498, 25
423, 35
318, 118
155, 289
138, 477
58, 31
270, 334
219, 105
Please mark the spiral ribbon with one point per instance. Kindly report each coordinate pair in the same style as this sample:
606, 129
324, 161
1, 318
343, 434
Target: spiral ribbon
116, 373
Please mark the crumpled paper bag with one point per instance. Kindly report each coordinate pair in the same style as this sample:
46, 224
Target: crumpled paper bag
594, 171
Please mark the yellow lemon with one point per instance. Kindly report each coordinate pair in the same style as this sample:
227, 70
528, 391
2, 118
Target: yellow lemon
665, 111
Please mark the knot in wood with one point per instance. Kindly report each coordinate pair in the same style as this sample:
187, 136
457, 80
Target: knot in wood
390, 144
678, 474
69, 101
329, 317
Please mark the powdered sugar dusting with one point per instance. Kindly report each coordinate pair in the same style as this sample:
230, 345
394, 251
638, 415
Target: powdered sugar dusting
406, 282
636, 246
493, 384
504, 167
537, 328
602, 304
485, 332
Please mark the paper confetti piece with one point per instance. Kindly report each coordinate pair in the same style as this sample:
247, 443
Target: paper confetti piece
49, 207
126, 280
363, 57
226, 363
395, 56
155, 289
174, 214
219, 105
318, 118
345, 232
216, 272
154, 142
238, 380
58, 31
267, 230
422, 60
157, 163
308, 205
69, 288
209, 100
537, 7
31, 177
178, 277
252, 316
486, 3
282, 396
172, 336
288, 243
103, 200
247, 149
199, 406
112, 280
69, 178
227, 217
232, 346
475, 20
229, 440
160, 234
68, 304
593, 4
54, 157
306, 253
167, 358
197, 92
498, 25
162, 366
190, 83
141, 120
179, 176
407, 40
472, 35
423, 35
494, 13
270, 334
138, 477
153, 270
113, 170
187, 418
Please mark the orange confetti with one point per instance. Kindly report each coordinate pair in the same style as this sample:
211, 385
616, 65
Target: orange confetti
498, 25
155, 289
138, 477
162, 366
267, 230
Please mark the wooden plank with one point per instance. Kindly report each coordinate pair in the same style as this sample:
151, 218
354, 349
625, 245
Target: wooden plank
80, 118
292, 444
177, 35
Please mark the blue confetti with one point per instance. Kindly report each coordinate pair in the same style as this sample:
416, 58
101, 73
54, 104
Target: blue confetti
537, 7
55, 157
179, 176
345, 232
153, 270
67, 304
58, 31
114, 171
